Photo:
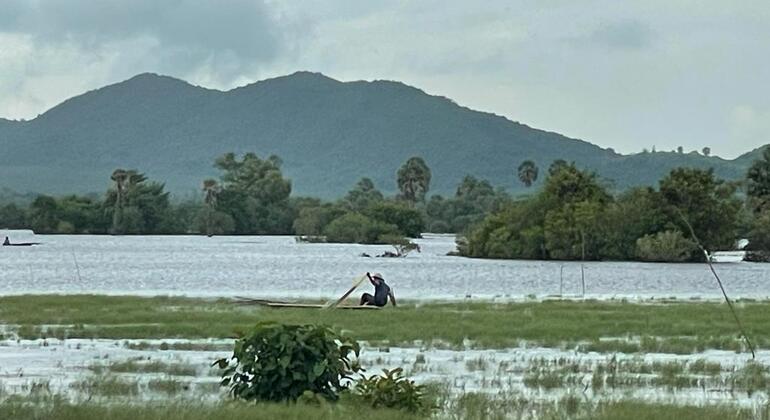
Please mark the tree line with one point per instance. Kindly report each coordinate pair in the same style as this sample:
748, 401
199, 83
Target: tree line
252, 196
575, 217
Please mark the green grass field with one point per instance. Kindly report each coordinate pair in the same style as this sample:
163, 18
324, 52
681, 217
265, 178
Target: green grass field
675, 327
467, 407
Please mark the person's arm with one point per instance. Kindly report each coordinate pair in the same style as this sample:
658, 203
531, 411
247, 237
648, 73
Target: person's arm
392, 297
371, 280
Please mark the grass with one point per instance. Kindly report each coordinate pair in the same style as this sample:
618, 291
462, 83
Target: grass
465, 407
139, 366
105, 386
178, 346
167, 386
60, 409
678, 327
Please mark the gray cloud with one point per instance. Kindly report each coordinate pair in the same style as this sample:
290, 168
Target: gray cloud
627, 34
177, 34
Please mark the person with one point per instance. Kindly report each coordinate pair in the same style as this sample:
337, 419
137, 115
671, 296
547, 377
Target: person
6, 242
381, 292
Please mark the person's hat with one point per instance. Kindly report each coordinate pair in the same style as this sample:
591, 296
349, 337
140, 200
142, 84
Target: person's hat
377, 276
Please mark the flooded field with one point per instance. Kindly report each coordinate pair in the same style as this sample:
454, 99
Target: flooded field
158, 369
279, 267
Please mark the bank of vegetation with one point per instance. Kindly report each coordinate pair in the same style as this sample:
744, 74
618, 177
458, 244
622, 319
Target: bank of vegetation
575, 215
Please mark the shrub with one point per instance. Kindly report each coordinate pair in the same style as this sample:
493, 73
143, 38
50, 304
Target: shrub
401, 245
391, 390
668, 246
406, 219
276, 362
357, 228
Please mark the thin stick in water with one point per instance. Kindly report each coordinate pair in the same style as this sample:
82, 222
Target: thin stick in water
719, 281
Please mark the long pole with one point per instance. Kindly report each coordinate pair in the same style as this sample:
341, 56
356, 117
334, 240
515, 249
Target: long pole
719, 281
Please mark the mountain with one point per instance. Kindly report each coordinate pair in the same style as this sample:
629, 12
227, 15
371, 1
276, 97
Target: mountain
328, 133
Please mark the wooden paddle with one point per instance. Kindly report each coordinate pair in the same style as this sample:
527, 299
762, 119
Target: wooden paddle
356, 282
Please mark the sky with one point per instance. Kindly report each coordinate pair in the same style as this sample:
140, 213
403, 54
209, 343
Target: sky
629, 74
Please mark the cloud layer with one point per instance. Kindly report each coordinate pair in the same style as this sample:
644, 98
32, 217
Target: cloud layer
628, 75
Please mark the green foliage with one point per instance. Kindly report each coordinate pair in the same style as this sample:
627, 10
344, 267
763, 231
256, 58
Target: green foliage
668, 246
210, 221
392, 390
43, 214
705, 202
362, 196
357, 228
255, 194
12, 217
574, 217
633, 214
759, 233
758, 185
402, 246
568, 184
276, 362
313, 220
413, 179
136, 206
474, 199
407, 220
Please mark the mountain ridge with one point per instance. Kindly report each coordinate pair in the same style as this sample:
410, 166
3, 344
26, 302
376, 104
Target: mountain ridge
329, 134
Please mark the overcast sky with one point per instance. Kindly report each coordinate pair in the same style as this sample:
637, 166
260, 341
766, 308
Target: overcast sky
624, 74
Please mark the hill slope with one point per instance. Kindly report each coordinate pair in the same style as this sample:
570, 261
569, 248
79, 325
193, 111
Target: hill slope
328, 133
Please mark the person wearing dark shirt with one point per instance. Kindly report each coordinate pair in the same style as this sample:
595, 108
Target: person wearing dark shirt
381, 292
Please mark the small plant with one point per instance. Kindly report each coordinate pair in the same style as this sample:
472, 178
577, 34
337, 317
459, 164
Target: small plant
276, 362
391, 390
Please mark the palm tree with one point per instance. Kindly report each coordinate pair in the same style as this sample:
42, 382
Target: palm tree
413, 179
528, 173
211, 190
120, 177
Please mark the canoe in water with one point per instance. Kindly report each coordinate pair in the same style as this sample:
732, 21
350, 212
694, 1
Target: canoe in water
279, 304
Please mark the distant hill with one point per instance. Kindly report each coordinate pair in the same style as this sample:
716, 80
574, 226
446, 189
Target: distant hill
328, 133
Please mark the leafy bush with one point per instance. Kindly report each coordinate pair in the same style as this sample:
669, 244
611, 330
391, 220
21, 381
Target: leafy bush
357, 228
402, 246
406, 219
276, 362
391, 390
668, 246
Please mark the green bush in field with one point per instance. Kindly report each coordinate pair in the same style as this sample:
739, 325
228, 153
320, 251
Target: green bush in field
665, 246
276, 362
391, 390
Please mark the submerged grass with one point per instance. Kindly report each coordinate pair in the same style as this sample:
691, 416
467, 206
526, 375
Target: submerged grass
142, 366
673, 327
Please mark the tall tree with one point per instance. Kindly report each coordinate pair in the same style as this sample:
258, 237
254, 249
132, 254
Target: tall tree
210, 190
528, 173
758, 179
120, 177
44, 214
695, 197
363, 195
413, 179
255, 194
137, 206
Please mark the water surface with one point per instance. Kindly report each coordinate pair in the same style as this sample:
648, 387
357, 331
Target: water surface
277, 266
